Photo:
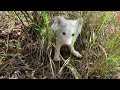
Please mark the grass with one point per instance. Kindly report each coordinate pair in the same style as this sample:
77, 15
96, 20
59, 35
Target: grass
34, 48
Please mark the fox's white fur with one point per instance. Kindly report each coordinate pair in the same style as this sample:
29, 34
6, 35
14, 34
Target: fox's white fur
65, 31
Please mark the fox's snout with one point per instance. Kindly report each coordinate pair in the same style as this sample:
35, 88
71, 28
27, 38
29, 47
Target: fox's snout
68, 42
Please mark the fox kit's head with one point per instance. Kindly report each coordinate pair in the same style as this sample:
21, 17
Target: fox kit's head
66, 29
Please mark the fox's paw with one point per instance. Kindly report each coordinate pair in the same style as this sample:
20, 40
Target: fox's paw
56, 58
77, 54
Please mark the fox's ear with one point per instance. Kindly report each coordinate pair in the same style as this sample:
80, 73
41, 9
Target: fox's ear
80, 21
79, 24
61, 21
58, 22
53, 23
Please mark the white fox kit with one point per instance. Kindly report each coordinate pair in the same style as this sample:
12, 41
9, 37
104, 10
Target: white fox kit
65, 31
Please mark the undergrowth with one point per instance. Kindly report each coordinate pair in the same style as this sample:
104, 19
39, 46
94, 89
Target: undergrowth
27, 46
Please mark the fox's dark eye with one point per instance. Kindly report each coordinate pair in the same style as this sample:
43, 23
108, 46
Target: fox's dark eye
63, 33
72, 34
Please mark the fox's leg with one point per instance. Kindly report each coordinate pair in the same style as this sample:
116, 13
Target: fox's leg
75, 53
57, 51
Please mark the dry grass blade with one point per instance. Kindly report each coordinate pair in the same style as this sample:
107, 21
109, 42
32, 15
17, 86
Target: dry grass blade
65, 64
4, 65
103, 51
74, 71
51, 62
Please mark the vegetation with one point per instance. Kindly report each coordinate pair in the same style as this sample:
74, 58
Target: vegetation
27, 46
